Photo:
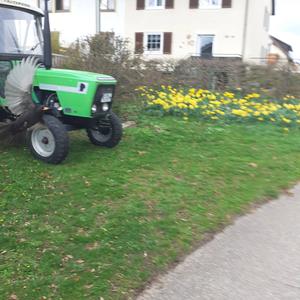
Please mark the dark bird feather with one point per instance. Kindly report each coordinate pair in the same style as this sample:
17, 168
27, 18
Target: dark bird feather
18, 98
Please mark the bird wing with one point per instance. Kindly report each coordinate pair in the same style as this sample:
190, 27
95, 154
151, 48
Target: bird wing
18, 86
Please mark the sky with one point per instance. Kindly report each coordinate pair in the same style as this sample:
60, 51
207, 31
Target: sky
285, 25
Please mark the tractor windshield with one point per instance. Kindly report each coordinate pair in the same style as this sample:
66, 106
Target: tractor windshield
20, 32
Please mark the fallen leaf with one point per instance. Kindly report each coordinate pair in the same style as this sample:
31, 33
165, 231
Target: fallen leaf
80, 261
141, 153
53, 286
92, 246
253, 165
88, 286
67, 258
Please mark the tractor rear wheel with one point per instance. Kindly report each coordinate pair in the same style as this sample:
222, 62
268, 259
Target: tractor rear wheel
106, 132
48, 140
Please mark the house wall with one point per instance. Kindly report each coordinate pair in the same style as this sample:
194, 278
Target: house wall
185, 24
226, 24
257, 44
114, 21
80, 21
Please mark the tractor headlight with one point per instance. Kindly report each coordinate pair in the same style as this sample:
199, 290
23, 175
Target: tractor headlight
94, 108
105, 107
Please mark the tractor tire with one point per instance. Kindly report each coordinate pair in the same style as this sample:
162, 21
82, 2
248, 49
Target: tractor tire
106, 132
48, 140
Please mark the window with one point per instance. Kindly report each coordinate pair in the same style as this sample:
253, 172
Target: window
62, 5
155, 4
153, 42
56, 6
210, 4
107, 5
205, 45
20, 32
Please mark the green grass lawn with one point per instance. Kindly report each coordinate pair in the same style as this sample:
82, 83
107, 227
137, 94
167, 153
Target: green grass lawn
106, 221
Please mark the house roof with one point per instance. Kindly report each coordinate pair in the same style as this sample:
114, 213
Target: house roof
21, 5
286, 48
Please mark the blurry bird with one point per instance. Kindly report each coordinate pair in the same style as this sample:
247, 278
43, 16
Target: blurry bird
18, 98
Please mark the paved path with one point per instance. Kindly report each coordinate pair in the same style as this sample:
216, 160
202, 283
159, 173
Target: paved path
257, 258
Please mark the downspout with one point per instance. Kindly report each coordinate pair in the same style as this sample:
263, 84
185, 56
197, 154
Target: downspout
98, 16
245, 29
273, 8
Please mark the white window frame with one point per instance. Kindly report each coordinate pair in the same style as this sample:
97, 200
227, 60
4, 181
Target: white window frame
199, 44
155, 6
160, 51
107, 5
210, 4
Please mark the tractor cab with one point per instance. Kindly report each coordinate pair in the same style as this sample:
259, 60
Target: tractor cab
21, 35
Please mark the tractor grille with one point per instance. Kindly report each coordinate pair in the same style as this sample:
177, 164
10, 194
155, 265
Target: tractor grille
102, 96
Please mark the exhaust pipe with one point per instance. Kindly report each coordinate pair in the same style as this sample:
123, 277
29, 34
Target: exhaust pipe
47, 39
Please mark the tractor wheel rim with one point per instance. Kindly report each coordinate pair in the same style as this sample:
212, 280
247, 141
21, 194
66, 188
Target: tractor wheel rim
43, 141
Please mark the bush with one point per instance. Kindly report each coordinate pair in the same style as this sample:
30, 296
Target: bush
229, 74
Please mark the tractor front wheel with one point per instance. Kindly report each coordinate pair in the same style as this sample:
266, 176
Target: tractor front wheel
106, 132
48, 140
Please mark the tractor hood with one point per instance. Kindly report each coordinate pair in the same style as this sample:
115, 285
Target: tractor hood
66, 77
76, 90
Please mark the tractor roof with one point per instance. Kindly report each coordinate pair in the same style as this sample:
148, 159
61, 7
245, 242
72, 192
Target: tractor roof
21, 5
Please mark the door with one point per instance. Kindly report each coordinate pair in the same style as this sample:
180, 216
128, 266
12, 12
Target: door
205, 45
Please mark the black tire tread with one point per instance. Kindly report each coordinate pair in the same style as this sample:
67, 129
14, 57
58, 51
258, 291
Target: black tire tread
61, 140
117, 133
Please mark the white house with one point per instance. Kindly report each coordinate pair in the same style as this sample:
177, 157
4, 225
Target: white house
280, 52
172, 28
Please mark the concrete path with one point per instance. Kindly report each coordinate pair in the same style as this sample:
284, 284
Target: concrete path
257, 258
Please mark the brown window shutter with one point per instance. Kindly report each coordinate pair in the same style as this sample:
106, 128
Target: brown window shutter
140, 4
139, 42
194, 3
226, 4
169, 4
167, 42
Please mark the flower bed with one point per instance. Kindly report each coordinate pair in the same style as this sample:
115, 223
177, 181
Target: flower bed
228, 106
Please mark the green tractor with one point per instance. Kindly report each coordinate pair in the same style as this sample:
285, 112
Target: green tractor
45, 102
